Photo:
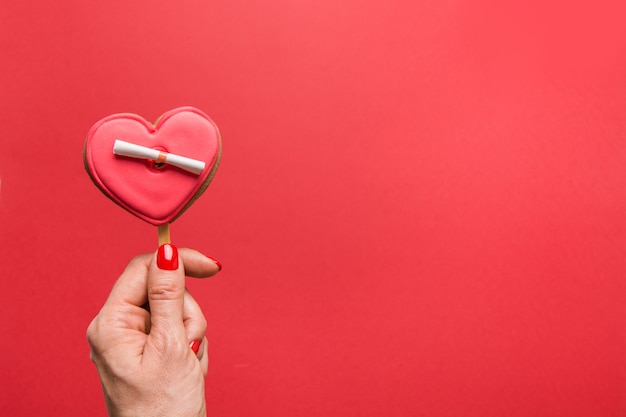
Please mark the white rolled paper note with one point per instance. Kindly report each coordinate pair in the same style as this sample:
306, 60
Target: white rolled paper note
123, 148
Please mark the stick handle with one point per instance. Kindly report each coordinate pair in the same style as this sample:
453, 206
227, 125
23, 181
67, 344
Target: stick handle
164, 234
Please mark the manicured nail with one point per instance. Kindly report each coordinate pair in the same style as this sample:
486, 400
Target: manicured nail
219, 265
195, 346
167, 257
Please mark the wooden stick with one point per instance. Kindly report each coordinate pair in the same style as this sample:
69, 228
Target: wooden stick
164, 234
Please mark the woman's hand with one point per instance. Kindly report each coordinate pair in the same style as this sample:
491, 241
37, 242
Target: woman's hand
148, 341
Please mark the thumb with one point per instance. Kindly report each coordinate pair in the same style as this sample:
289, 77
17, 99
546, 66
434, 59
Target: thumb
166, 289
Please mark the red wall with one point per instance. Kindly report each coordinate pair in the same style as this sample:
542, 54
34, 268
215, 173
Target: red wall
421, 207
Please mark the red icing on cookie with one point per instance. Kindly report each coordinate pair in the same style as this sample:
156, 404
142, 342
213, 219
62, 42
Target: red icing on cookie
158, 193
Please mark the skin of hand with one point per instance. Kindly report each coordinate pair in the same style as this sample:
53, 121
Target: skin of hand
140, 340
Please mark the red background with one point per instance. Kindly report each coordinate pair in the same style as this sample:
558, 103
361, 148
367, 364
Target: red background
421, 207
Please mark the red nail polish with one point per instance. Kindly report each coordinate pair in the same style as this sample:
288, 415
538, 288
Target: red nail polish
195, 346
219, 265
167, 257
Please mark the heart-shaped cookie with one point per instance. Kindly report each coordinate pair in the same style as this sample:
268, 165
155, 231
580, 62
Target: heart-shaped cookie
152, 189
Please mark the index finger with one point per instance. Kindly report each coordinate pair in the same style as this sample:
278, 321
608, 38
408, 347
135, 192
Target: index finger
130, 287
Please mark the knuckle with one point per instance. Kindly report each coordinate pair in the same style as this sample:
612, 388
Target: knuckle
139, 262
99, 330
202, 324
93, 338
93, 331
140, 259
196, 327
166, 289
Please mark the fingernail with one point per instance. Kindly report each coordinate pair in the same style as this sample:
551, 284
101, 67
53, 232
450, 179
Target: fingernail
195, 346
219, 265
167, 257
